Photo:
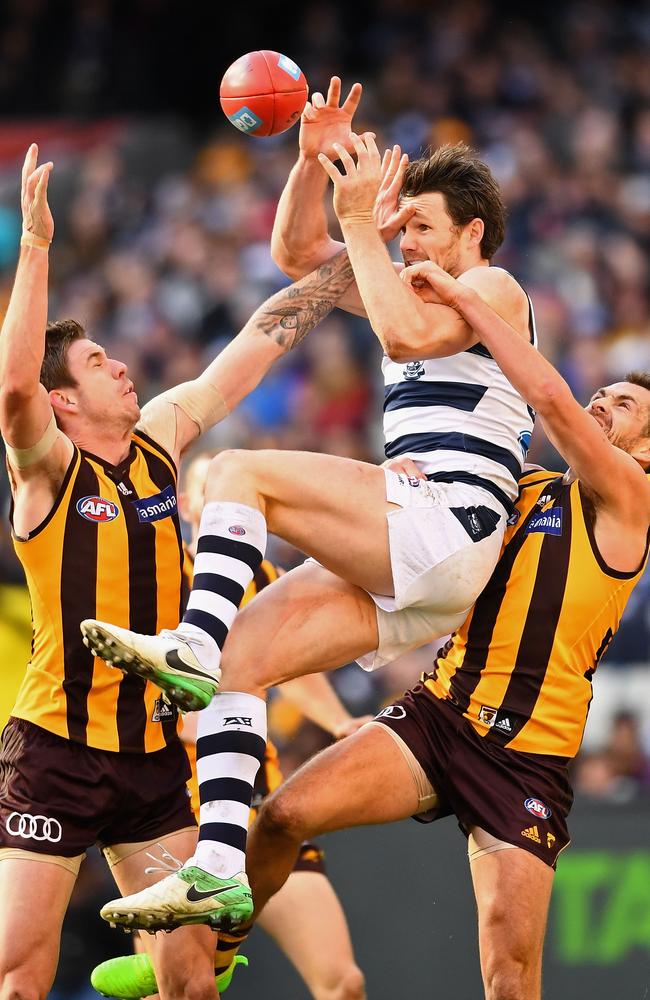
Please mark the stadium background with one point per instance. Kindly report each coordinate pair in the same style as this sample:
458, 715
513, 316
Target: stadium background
163, 216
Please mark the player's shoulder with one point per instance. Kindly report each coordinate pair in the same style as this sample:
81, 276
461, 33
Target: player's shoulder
492, 278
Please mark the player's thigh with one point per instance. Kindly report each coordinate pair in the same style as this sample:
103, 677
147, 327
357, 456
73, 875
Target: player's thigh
513, 891
308, 621
306, 920
189, 951
329, 507
29, 931
363, 779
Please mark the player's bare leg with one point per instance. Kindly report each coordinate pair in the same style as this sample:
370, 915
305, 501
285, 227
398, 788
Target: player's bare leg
29, 933
330, 792
306, 920
184, 964
513, 891
306, 620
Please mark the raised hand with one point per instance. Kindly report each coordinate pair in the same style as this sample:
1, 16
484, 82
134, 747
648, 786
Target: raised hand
324, 122
355, 190
389, 216
37, 217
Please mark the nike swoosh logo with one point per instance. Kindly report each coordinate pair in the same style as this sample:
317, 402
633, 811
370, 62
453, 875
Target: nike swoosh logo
194, 894
173, 660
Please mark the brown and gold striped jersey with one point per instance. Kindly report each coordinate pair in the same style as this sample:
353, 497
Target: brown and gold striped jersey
110, 548
520, 667
269, 775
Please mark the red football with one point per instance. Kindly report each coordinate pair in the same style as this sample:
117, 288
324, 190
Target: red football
263, 93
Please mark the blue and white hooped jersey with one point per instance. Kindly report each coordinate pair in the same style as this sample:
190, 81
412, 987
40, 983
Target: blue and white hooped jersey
459, 419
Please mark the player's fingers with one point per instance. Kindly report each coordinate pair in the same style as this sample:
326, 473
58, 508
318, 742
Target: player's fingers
308, 112
29, 164
368, 140
330, 168
43, 180
352, 100
398, 178
318, 100
334, 92
359, 148
345, 158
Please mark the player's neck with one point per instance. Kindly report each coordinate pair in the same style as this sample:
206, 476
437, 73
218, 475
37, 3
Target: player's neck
110, 445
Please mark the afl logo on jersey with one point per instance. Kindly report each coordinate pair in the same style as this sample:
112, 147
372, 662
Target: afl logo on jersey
97, 509
538, 808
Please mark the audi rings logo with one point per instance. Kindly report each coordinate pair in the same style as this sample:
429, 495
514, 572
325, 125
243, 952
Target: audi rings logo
33, 827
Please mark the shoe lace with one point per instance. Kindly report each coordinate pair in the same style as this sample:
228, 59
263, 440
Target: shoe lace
165, 863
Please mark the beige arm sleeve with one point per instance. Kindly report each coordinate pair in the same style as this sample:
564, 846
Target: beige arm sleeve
22, 458
199, 400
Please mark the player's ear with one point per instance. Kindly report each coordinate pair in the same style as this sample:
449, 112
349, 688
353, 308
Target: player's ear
63, 401
475, 231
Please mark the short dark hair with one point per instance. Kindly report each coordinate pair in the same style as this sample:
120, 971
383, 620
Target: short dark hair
58, 336
469, 189
642, 379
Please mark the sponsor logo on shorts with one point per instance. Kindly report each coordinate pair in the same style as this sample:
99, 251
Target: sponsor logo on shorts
550, 840
532, 833
156, 507
162, 710
28, 827
97, 509
238, 720
487, 715
392, 712
414, 481
538, 808
236, 529
413, 370
549, 522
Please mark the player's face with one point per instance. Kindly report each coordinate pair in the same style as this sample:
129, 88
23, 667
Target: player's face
431, 234
103, 391
622, 412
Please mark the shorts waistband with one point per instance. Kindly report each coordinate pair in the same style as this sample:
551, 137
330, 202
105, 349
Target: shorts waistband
471, 480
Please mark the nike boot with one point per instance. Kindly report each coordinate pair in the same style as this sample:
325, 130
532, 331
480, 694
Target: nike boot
165, 659
189, 896
131, 977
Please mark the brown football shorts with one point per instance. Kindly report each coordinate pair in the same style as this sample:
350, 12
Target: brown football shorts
521, 798
58, 797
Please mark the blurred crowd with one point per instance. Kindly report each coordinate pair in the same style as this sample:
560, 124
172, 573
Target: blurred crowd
163, 224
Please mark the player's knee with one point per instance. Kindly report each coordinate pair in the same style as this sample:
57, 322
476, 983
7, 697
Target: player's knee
186, 982
508, 979
349, 984
21, 984
282, 814
227, 466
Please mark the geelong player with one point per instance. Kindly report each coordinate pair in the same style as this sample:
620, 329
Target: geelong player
90, 756
398, 562
489, 733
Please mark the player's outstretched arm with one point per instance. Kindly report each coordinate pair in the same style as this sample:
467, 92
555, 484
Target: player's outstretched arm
25, 410
607, 472
300, 240
276, 327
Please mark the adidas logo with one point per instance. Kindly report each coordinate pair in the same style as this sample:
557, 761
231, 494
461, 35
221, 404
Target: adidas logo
532, 833
504, 724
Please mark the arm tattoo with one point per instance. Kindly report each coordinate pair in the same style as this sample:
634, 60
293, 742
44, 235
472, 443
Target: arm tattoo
291, 314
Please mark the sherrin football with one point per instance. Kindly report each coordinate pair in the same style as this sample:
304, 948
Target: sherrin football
263, 93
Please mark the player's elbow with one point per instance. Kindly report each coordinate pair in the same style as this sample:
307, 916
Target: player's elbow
551, 396
292, 260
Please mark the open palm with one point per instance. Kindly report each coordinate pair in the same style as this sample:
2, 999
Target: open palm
325, 122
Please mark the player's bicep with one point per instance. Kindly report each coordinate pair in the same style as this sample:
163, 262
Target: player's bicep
24, 418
